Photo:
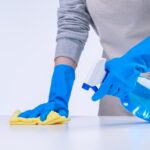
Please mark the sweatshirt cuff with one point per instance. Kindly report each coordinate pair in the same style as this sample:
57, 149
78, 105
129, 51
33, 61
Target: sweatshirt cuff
69, 48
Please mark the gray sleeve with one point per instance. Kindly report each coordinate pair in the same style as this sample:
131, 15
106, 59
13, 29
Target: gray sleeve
73, 26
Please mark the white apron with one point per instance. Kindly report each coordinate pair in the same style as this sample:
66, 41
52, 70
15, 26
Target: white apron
120, 25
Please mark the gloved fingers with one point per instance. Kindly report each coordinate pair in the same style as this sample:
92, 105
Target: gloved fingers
118, 90
123, 94
25, 114
114, 89
104, 88
122, 91
34, 114
31, 113
37, 111
50, 118
62, 112
48, 108
44, 115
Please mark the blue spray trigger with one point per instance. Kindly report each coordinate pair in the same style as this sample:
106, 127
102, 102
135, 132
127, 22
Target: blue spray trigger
94, 88
86, 86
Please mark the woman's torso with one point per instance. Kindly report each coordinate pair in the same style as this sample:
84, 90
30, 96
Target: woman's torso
120, 23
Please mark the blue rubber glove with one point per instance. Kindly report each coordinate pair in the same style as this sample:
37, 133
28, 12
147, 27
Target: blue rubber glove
122, 72
61, 86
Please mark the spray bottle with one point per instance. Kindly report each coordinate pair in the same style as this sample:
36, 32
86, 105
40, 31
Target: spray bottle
137, 102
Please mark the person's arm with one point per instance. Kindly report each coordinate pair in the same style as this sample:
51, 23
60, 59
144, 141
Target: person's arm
73, 27
65, 60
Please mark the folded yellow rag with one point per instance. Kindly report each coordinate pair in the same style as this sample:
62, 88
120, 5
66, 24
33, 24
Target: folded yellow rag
52, 118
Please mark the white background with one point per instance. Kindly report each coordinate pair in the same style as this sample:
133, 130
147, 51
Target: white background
27, 44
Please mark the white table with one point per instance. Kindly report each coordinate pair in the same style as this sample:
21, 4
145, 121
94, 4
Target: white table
86, 133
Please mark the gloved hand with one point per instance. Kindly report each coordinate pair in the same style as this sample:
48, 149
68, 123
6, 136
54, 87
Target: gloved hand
122, 73
61, 86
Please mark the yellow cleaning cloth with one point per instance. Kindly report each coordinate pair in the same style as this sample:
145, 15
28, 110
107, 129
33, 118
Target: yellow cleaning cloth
52, 118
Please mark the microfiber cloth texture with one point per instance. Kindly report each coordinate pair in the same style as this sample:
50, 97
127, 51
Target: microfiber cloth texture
52, 118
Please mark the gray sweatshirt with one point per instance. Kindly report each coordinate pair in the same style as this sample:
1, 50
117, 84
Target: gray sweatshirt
73, 26
119, 24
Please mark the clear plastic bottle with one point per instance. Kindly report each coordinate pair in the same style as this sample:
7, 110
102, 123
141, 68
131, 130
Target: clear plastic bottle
138, 101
